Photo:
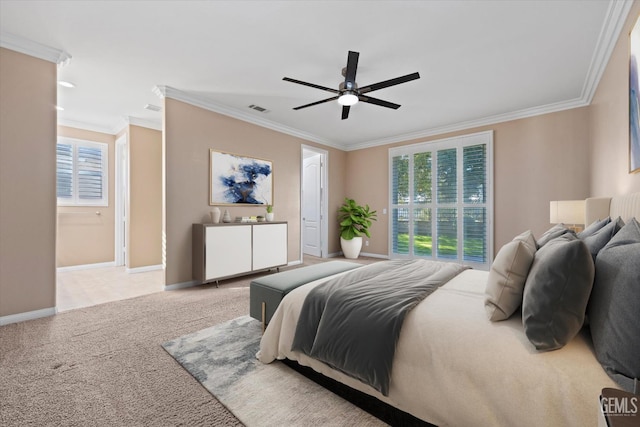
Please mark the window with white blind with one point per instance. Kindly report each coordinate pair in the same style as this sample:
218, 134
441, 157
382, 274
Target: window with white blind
81, 173
441, 200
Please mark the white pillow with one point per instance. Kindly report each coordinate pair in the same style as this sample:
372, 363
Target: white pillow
507, 277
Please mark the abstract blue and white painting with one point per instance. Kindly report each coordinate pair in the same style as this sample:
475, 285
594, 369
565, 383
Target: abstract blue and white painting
240, 180
634, 100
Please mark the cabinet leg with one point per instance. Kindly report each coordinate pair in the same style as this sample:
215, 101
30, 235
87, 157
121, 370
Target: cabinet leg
217, 284
264, 316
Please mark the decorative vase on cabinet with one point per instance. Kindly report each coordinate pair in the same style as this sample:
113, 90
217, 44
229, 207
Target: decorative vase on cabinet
215, 215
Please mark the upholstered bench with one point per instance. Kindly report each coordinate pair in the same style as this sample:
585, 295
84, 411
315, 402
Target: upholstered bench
266, 292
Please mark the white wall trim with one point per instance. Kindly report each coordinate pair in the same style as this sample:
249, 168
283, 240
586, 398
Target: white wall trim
485, 121
35, 49
611, 28
144, 269
182, 285
145, 123
86, 266
370, 255
207, 104
28, 315
297, 262
90, 127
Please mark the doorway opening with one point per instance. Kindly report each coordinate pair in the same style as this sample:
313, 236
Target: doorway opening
314, 197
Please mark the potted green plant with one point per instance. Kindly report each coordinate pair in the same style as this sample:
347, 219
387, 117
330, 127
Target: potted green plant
355, 221
269, 213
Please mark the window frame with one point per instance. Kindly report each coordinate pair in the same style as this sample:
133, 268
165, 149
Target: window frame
75, 200
459, 143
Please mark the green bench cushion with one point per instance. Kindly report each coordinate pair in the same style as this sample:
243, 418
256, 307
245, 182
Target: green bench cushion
272, 288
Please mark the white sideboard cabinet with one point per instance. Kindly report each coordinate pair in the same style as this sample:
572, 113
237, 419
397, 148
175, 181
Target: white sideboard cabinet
232, 249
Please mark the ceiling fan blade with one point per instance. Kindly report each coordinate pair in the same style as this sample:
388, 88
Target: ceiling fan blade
352, 67
391, 82
300, 82
333, 98
345, 111
379, 102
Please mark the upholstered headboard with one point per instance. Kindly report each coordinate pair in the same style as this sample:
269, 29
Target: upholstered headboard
626, 207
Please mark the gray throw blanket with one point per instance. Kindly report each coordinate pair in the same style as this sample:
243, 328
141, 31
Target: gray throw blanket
353, 322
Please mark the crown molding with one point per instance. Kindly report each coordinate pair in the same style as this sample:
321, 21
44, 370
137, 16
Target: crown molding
611, 28
145, 123
89, 126
610, 32
31, 48
207, 104
470, 124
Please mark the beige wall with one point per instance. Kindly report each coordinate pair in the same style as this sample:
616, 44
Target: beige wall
83, 236
27, 183
609, 122
536, 160
189, 133
144, 247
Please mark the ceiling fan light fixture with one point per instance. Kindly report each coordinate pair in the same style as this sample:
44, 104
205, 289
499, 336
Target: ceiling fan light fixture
348, 98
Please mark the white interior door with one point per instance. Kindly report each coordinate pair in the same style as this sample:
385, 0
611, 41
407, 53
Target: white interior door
311, 205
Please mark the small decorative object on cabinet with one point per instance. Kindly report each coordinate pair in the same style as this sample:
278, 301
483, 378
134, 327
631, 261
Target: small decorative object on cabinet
270, 213
226, 217
226, 250
215, 215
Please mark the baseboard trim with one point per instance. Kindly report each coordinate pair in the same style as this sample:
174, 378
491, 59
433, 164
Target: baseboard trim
144, 269
298, 262
374, 255
86, 266
28, 315
367, 254
176, 286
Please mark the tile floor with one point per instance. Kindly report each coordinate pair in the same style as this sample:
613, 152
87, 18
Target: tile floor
84, 288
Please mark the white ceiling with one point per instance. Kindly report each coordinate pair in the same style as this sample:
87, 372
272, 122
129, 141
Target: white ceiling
480, 61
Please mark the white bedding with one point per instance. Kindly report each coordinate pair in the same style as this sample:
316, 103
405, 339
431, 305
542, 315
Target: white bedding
453, 367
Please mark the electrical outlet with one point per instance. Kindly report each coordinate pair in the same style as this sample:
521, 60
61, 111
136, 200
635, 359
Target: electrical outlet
366, 243
384, 211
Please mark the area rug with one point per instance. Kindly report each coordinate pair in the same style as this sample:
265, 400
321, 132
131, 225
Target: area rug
222, 358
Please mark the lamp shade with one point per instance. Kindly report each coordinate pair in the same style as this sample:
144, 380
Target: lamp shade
567, 212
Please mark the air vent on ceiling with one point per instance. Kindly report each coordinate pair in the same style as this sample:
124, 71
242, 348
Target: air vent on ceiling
258, 108
152, 107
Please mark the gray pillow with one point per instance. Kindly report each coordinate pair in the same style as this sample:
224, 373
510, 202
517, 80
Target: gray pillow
507, 276
555, 231
556, 292
596, 241
595, 226
614, 306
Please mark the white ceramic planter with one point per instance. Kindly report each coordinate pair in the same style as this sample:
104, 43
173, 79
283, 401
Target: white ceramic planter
269, 216
351, 248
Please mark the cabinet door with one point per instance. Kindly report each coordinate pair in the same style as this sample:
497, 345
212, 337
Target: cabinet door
269, 245
227, 251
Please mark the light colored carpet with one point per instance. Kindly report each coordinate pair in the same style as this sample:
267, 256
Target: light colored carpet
222, 358
104, 366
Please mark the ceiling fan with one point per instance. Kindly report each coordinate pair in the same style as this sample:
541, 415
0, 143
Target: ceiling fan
348, 92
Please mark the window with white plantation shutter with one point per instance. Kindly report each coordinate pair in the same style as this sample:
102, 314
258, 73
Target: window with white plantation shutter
441, 200
81, 175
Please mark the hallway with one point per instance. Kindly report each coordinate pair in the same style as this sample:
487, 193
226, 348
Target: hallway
84, 288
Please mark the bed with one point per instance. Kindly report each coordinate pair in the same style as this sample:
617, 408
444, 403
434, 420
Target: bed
454, 367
